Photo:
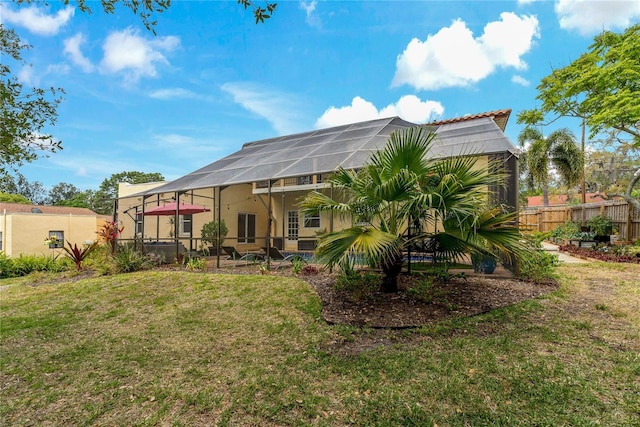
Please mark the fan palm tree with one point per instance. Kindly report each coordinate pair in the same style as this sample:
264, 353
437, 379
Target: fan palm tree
558, 149
444, 200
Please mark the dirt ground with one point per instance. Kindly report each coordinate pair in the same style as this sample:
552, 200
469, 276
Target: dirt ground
458, 297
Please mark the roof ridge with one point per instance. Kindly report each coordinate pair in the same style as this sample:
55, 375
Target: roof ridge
504, 113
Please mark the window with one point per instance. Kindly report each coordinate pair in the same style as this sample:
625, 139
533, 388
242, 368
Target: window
56, 239
139, 223
304, 180
246, 228
312, 221
185, 224
292, 225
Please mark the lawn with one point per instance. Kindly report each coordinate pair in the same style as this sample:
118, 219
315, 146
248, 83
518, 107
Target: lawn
187, 349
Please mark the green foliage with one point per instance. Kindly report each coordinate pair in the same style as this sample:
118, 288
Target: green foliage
195, 263
600, 225
19, 184
427, 289
297, 263
359, 285
14, 198
209, 233
27, 264
445, 201
538, 265
78, 254
26, 112
600, 87
128, 259
558, 149
568, 230
108, 191
259, 13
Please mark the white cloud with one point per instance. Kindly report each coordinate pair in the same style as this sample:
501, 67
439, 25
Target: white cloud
453, 57
27, 77
280, 109
72, 50
519, 80
125, 51
173, 93
312, 19
588, 17
36, 19
409, 107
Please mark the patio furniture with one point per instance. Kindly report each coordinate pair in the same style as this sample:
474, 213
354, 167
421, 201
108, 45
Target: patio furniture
274, 254
233, 254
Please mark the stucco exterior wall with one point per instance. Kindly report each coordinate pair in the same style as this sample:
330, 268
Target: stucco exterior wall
24, 233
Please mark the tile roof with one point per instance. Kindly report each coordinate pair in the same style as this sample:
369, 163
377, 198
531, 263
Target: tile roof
501, 117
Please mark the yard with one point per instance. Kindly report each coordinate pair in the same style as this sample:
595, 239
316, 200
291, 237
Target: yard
181, 348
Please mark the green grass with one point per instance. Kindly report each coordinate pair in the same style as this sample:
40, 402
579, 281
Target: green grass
184, 349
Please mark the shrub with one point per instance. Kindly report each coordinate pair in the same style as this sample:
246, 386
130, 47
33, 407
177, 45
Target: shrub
76, 254
195, 263
568, 230
360, 285
209, 233
600, 225
127, 259
27, 264
297, 263
538, 265
426, 289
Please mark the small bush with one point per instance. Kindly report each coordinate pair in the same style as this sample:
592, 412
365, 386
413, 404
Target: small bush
297, 263
426, 289
568, 230
360, 285
127, 259
195, 263
538, 265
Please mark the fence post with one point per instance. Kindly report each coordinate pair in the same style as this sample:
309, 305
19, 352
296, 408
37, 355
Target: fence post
630, 209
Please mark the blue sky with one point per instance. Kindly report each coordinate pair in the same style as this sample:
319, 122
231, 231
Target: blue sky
211, 79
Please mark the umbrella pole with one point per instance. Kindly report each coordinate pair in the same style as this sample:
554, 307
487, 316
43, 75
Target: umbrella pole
175, 225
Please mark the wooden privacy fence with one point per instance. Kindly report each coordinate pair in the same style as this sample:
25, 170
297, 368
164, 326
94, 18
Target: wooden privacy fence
624, 217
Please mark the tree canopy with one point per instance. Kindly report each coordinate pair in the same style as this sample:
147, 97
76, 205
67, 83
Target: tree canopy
601, 87
108, 191
558, 149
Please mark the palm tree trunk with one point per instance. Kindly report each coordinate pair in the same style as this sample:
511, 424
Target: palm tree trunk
391, 270
545, 195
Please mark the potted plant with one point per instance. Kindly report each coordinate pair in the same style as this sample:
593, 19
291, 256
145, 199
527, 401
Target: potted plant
209, 234
483, 262
602, 228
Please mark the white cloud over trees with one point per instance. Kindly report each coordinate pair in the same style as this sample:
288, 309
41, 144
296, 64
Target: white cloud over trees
409, 107
589, 17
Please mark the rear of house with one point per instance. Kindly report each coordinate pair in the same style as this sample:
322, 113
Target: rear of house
256, 190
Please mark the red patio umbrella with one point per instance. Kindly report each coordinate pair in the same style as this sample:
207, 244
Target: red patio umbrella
170, 209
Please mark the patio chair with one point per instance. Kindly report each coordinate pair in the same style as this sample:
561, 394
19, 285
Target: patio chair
233, 254
275, 255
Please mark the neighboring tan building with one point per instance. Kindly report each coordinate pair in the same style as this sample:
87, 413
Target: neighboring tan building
256, 189
24, 228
